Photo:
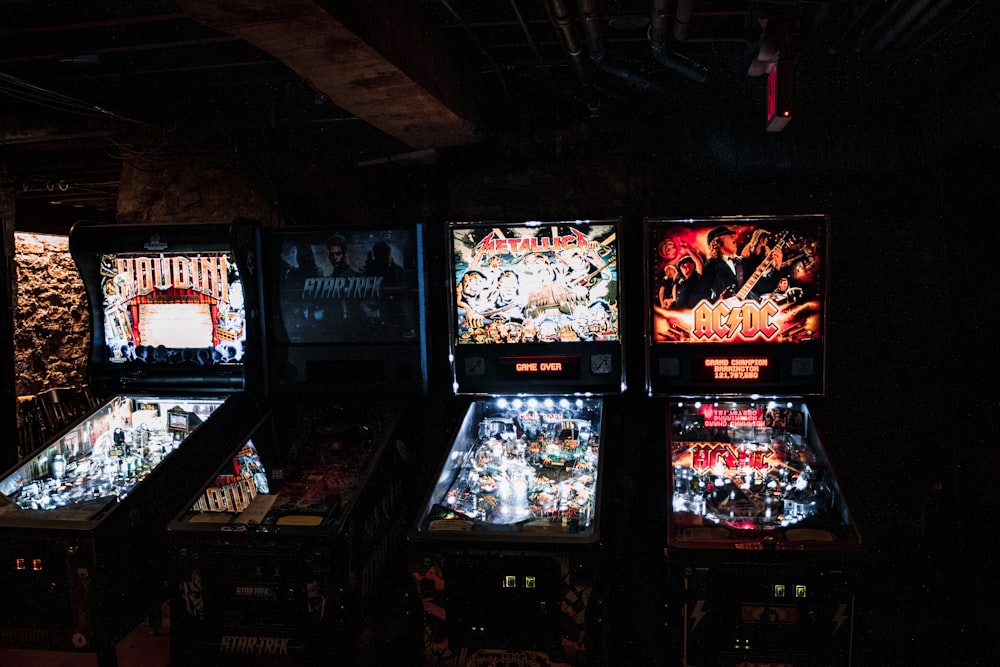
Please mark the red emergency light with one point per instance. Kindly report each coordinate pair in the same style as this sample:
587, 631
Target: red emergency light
779, 95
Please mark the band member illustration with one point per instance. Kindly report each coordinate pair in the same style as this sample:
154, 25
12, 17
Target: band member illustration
688, 285
729, 273
472, 299
784, 293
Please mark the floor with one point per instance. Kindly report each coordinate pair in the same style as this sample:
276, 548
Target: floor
140, 648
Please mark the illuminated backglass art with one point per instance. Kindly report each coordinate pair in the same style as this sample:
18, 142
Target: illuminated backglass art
535, 282
348, 285
736, 280
173, 309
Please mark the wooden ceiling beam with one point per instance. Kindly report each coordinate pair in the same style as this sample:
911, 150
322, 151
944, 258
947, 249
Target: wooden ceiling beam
380, 61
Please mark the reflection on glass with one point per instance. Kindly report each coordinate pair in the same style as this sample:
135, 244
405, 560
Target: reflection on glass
522, 464
105, 456
750, 466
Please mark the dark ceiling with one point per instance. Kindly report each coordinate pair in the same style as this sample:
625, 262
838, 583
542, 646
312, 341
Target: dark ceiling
86, 84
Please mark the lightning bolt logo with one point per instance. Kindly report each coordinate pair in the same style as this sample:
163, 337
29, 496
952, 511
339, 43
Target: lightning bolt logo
697, 613
839, 617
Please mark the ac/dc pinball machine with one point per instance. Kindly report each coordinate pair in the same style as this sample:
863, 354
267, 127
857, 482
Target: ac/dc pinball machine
286, 549
175, 336
505, 550
761, 547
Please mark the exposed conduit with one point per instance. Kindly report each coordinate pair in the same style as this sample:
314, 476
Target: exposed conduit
657, 41
589, 19
562, 21
923, 22
908, 16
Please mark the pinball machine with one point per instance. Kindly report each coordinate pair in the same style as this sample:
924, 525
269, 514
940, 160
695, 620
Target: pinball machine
174, 349
283, 553
505, 550
761, 548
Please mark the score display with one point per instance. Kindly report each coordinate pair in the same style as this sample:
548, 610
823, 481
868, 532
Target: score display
735, 369
558, 367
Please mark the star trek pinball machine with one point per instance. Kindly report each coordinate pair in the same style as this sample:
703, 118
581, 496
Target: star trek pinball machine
761, 548
506, 548
175, 334
288, 548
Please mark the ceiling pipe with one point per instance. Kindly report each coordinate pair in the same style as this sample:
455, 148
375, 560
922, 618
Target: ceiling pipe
682, 19
658, 23
872, 32
912, 11
475, 40
923, 22
531, 42
565, 27
589, 19
657, 41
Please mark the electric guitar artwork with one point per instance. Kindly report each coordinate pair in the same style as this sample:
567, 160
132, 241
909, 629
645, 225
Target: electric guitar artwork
762, 269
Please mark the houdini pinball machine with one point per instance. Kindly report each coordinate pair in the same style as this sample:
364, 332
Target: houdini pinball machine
290, 545
505, 550
761, 549
175, 334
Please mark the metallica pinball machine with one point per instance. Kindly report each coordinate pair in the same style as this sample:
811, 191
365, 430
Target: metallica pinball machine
286, 551
505, 550
761, 547
174, 319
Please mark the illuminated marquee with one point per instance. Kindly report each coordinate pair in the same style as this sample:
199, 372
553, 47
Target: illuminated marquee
141, 276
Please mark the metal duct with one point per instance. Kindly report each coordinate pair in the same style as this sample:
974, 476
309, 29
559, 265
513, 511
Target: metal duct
589, 19
912, 11
657, 41
923, 22
562, 21
682, 19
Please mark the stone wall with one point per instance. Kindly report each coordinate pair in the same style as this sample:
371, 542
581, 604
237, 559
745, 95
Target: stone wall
52, 323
